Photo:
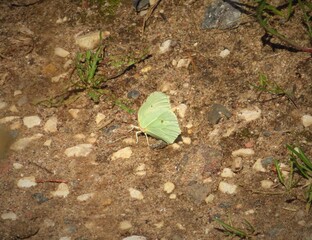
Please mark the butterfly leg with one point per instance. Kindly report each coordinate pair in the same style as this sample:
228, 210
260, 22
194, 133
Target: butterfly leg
136, 136
146, 139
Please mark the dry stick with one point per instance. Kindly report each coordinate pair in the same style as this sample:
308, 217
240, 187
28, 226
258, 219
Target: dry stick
149, 14
51, 180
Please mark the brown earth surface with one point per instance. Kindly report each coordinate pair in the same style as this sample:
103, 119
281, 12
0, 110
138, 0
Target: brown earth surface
30, 32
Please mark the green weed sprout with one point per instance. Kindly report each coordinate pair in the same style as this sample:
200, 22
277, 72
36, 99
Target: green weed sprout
302, 165
264, 10
230, 230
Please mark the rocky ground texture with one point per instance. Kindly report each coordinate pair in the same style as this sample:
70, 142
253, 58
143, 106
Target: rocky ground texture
74, 171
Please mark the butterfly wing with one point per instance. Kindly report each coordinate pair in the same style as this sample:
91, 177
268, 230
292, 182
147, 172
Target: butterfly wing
151, 107
164, 127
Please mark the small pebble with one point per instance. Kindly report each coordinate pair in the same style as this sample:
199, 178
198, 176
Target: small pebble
140, 170
224, 53
209, 198
99, 118
24, 142
17, 166
228, 188
13, 108
237, 164
266, 184
143, 70
65, 238
249, 212
136, 194
133, 94
68, 64
181, 110
17, 92
306, 120
169, 187
85, 197
8, 119
123, 153
9, 216
81, 150
40, 198
175, 146
47, 143
186, 140
91, 40
59, 77
51, 125
183, 63
135, 237
62, 191
31, 121
27, 182
258, 167
227, 173
159, 224
74, 113
243, 152
173, 196
249, 115
61, 52
125, 225
165, 46
129, 141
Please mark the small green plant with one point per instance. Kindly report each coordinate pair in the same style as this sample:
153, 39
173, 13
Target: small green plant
266, 12
302, 165
230, 230
267, 86
87, 66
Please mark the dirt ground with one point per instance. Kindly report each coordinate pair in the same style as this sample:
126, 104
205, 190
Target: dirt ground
29, 33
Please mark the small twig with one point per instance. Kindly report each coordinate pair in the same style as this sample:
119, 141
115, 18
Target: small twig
149, 14
41, 167
51, 180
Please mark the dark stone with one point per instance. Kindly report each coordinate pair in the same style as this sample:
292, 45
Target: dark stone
40, 198
216, 113
133, 94
222, 15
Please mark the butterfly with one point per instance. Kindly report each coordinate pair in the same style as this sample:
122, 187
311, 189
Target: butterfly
157, 119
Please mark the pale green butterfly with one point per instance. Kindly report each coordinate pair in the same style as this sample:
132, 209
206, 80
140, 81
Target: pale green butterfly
157, 119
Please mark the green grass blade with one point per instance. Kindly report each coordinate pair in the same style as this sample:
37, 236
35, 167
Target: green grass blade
231, 229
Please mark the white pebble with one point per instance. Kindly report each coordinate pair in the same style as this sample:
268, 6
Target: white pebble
59, 77
181, 109
81, 150
243, 152
227, 173
249, 212
17, 92
17, 166
173, 196
228, 188
91, 40
27, 182
258, 167
140, 170
129, 141
165, 46
99, 117
306, 120
51, 125
123, 153
24, 142
134, 193
175, 146
209, 198
135, 237
61, 52
8, 119
61, 191
74, 113
224, 53
266, 184
249, 115
13, 108
169, 187
85, 197
186, 140
125, 225
9, 216
183, 63
31, 121
47, 143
